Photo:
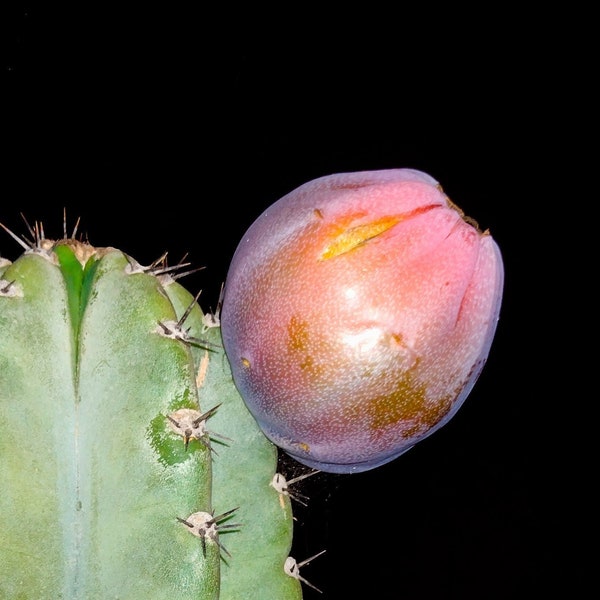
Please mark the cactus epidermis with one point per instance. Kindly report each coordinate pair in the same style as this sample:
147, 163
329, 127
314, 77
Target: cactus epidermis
129, 465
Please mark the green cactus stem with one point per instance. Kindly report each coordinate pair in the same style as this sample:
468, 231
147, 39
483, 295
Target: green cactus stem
129, 465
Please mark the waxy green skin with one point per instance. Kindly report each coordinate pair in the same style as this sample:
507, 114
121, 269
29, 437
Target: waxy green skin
94, 479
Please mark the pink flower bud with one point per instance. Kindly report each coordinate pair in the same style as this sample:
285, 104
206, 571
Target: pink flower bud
358, 312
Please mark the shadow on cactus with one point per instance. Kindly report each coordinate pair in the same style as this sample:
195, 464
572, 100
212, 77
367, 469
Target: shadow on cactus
139, 436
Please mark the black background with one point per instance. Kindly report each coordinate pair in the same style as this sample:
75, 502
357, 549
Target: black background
170, 129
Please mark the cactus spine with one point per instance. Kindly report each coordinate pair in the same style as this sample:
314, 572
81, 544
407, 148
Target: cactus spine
129, 465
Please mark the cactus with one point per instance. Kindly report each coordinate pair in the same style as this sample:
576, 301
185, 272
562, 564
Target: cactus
129, 465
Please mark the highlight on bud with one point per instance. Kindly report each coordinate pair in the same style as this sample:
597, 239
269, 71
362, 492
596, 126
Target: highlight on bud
358, 312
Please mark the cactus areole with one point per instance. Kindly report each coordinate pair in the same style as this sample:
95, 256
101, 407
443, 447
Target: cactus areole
130, 467
358, 312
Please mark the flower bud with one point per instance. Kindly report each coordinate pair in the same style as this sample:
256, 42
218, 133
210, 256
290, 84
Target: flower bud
358, 313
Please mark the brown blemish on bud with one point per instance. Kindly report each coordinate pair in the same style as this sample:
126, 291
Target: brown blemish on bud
397, 341
299, 346
431, 414
318, 213
303, 446
297, 331
245, 363
407, 402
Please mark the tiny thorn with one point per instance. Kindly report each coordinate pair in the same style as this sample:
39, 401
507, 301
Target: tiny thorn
219, 436
29, 228
281, 485
161, 260
174, 330
187, 423
206, 526
173, 421
178, 275
213, 318
10, 289
223, 548
217, 313
196, 341
162, 270
301, 477
191, 424
15, 237
292, 568
188, 310
76, 227
185, 522
6, 288
220, 517
166, 330
207, 415
307, 560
